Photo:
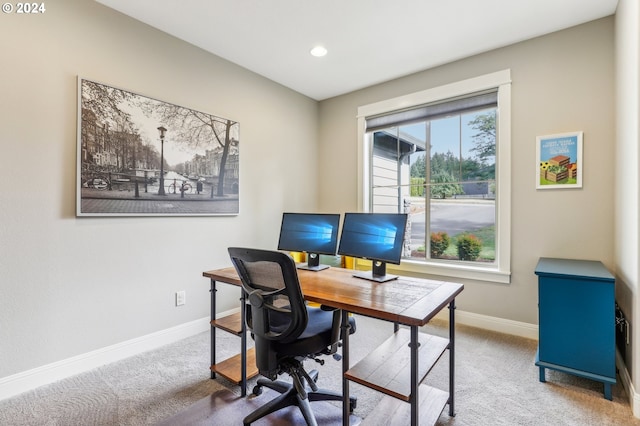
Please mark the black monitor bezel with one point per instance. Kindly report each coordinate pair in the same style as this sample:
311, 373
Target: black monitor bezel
335, 232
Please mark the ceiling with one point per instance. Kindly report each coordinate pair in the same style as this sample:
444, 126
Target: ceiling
369, 41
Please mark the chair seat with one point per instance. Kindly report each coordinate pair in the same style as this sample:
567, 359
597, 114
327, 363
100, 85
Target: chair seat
315, 336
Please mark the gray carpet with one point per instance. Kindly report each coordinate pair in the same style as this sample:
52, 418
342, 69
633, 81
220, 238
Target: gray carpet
496, 384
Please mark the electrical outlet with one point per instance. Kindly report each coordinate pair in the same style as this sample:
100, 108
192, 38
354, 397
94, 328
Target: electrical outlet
626, 326
181, 297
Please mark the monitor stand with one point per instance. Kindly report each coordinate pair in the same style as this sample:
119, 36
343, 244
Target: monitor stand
377, 274
313, 263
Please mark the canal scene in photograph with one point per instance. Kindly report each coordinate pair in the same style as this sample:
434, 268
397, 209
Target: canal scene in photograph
141, 156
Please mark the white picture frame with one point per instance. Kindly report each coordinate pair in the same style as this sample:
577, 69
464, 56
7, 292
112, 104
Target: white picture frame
559, 161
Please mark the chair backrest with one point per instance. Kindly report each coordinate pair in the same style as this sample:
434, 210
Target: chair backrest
275, 310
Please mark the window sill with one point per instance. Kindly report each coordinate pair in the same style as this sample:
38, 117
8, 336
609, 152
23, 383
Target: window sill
473, 272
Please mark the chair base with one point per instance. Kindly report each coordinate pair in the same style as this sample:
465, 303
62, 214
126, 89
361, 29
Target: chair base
290, 396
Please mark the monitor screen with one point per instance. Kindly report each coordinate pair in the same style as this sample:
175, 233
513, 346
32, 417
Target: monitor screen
373, 236
315, 233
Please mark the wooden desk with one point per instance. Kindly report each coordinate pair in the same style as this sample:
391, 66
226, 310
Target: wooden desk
411, 302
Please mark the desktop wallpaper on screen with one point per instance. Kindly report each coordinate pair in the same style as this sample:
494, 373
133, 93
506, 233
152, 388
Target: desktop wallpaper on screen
311, 233
373, 236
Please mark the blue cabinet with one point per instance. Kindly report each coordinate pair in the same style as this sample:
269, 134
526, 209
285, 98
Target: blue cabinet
576, 307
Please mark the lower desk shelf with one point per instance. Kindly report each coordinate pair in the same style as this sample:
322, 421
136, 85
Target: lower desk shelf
230, 367
231, 323
394, 412
387, 370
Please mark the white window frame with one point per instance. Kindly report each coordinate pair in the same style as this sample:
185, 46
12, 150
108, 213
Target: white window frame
500, 270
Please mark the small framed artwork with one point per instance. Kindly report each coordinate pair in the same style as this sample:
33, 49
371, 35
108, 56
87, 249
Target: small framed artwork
559, 161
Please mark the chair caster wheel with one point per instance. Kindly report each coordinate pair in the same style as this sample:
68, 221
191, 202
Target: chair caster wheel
257, 390
353, 403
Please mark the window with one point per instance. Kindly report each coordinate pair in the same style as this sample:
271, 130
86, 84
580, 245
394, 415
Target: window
443, 156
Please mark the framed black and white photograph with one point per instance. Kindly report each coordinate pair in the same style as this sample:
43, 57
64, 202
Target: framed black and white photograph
139, 156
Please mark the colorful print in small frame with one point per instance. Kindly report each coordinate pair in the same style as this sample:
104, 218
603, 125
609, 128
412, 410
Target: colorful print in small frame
559, 159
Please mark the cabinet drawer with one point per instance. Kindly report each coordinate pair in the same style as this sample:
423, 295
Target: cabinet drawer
577, 324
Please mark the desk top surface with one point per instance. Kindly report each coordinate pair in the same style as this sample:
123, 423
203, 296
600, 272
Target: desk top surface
406, 300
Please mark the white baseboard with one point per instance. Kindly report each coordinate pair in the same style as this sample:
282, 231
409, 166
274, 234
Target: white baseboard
634, 398
31, 379
500, 325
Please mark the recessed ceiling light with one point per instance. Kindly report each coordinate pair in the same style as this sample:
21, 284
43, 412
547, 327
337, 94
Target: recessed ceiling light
319, 51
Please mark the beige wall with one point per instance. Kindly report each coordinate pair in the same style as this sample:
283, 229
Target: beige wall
69, 286
560, 82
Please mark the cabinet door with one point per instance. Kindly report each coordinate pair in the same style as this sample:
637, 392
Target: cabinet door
577, 324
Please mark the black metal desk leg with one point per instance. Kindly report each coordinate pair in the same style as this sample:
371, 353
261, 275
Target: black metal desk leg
452, 338
212, 290
243, 349
346, 329
413, 398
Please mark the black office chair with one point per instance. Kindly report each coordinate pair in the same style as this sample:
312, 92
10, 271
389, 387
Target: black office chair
286, 331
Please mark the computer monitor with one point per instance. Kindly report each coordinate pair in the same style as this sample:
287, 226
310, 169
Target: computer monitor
311, 233
375, 236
